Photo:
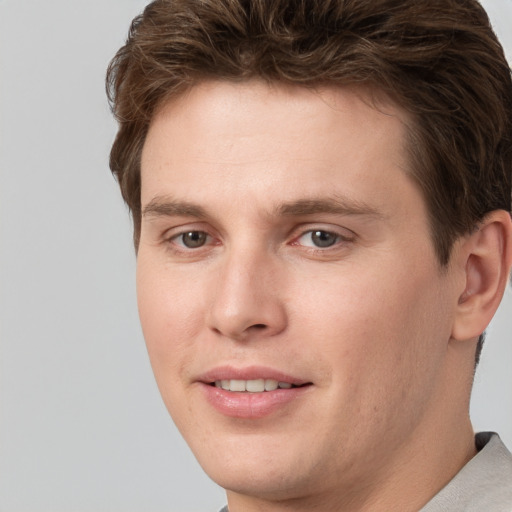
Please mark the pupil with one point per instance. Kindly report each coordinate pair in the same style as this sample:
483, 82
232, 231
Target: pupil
194, 239
323, 238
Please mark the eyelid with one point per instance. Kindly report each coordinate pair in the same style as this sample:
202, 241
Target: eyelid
179, 236
344, 237
343, 233
185, 227
170, 235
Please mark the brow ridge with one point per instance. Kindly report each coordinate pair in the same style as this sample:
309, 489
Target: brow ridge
167, 207
334, 205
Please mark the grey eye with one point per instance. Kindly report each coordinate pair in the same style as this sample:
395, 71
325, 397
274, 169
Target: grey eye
193, 239
323, 238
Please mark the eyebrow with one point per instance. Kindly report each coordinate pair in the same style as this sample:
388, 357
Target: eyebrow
167, 207
335, 205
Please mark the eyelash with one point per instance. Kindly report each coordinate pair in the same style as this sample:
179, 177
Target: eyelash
178, 246
337, 239
189, 232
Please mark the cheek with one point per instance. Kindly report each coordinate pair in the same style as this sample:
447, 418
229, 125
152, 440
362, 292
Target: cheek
171, 315
375, 329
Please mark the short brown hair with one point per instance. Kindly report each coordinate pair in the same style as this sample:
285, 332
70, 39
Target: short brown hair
437, 59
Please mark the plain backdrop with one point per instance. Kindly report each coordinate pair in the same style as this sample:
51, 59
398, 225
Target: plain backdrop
82, 426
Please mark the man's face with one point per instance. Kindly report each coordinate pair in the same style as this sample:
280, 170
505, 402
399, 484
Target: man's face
283, 242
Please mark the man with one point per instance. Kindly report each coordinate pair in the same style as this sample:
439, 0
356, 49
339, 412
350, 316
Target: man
321, 195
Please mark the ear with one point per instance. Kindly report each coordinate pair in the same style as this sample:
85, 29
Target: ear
487, 258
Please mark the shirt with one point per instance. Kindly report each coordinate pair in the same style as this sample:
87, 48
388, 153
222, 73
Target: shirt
483, 484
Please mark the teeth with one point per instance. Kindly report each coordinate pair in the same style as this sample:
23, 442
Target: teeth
237, 385
270, 384
252, 386
255, 386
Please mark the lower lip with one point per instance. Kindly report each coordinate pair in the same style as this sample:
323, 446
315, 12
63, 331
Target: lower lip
251, 405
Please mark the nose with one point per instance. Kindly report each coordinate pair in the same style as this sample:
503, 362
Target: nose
247, 300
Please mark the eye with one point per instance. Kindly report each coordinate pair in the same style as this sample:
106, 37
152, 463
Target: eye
319, 238
191, 239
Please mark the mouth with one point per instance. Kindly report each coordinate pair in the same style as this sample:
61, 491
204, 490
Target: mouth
254, 385
252, 392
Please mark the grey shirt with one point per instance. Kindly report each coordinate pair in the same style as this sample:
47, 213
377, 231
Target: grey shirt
484, 484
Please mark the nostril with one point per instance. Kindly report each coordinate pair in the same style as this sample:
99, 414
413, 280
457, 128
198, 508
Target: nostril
259, 326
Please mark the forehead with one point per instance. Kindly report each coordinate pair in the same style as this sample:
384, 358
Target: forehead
274, 139
245, 107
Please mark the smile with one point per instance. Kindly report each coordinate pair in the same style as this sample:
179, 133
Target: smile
251, 392
253, 385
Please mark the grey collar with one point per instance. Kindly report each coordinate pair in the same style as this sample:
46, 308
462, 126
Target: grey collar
483, 484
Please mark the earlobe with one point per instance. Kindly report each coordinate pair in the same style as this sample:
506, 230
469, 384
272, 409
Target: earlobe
487, 255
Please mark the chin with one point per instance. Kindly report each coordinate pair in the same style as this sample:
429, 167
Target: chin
255, 466
260, 483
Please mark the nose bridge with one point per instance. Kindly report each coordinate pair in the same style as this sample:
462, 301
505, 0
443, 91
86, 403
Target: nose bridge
246, 298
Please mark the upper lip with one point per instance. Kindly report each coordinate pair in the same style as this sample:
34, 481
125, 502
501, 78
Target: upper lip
248, 373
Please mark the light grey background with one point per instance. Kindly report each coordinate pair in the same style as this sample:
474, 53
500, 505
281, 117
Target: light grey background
82, 427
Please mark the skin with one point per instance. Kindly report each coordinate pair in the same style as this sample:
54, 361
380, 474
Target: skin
369, 321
